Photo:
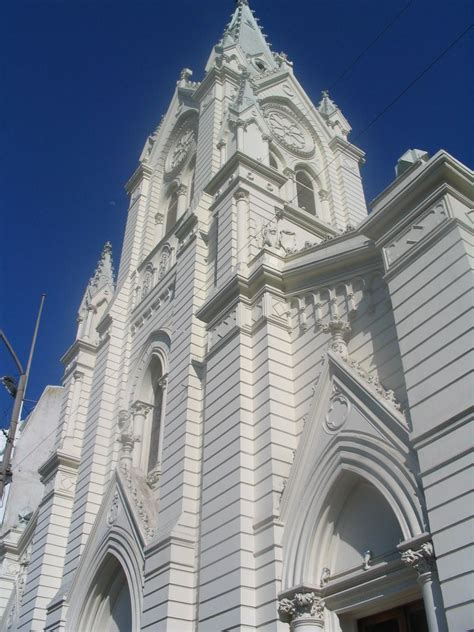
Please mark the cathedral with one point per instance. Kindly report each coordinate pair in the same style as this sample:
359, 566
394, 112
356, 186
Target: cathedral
265, 420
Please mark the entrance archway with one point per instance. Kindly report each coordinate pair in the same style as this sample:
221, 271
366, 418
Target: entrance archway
109, 608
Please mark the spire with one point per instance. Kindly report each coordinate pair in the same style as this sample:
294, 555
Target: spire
104, 272
327, 105
99, 291
244, 32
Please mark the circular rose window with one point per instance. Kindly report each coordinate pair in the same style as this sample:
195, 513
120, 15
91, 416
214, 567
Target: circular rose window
289, 131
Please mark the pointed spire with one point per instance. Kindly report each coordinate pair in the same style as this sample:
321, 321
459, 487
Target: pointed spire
244, 32
327, 105
104, 272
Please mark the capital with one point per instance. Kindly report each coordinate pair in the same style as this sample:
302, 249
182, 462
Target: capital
182, 189
241, 194
140, 409
303, 605
338, 329
421, 559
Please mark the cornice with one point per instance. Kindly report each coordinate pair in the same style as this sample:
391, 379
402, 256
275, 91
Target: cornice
265, 81
237, 159
216, 75
142, 171
348, 148
326, 260
309, 222
56, 461
441, 171
75, 349
240, 288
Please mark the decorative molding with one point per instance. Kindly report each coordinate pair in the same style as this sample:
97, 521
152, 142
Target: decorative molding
223, 327
165, 261
303, 605
113, 511
165, 296
338, 329
373, 382
139, 503
127, 438
425, 224
421, 559
153, 476
338, 412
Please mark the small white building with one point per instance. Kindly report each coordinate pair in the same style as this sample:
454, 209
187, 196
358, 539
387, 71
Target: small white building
267, 419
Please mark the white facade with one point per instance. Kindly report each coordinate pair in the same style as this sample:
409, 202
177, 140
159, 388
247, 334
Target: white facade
266, 421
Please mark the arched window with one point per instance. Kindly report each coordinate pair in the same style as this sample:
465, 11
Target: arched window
172, 212
149, 413
155, 431
305, 192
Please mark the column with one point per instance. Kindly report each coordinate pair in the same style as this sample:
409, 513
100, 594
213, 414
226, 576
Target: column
222, 147
70, 434
242, 207
240, 126
139, 411
423, 561
127, 439
182, 193
290, 185
303, 611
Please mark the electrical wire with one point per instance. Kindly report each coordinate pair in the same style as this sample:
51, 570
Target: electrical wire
369, 46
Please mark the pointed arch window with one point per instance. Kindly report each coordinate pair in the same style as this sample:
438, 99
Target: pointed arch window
305, 192
148, 414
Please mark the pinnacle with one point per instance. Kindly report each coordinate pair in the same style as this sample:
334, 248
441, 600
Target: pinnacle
104, 272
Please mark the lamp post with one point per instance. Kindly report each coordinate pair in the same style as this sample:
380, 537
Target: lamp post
5, 470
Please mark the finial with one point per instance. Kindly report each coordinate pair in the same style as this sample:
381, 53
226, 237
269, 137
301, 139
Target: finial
239, 3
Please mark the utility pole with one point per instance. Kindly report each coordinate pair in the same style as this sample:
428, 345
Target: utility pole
5, 470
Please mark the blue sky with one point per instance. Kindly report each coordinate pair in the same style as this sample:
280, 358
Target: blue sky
85, 81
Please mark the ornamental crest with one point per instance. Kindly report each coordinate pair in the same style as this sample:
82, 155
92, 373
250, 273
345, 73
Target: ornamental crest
290, 130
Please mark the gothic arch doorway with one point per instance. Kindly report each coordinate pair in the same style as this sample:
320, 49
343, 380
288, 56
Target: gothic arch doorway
109, 607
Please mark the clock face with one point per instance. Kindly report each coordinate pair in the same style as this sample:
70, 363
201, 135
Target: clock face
180, 148
289, 131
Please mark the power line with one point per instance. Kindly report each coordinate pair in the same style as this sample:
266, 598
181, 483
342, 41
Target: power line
369, 46
401, 94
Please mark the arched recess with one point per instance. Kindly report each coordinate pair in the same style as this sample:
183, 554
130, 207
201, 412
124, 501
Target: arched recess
109, 607
171, 203
109, 580
305, 193
148, 404
350, 460
357, 519
310, 192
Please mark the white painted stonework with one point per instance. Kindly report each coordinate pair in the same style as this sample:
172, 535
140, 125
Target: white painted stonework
267, 418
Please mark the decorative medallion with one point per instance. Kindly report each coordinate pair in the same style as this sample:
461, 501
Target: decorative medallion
181, 147
294, 134
338, 412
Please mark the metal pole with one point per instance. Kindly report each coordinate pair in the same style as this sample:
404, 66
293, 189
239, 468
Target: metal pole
5, 470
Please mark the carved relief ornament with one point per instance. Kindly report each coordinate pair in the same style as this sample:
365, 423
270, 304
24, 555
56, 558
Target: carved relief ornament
421, 559
303, 605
